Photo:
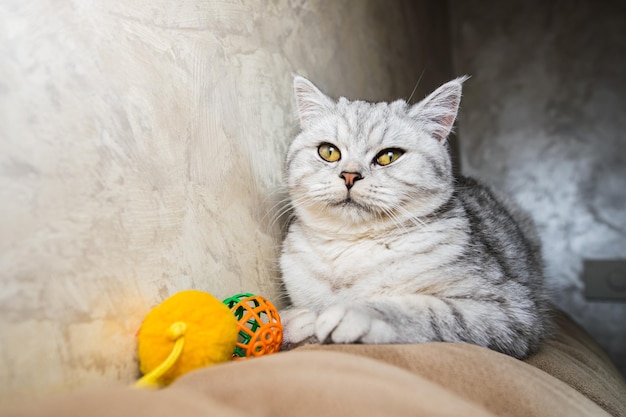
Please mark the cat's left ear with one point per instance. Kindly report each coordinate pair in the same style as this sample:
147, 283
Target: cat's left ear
310, 100
438, 111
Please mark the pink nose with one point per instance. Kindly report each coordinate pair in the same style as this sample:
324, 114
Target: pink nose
350, 178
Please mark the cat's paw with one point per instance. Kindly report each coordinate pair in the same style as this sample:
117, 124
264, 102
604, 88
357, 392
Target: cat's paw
342, 324
349, 324
298, 327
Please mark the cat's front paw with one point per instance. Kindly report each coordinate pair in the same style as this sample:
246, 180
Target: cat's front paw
350, 324
298, 327
342, 324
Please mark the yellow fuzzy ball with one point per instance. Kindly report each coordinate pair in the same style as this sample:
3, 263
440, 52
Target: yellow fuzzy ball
191, 329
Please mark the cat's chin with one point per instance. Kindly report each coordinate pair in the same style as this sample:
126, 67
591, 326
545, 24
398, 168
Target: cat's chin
344, 217
352, 212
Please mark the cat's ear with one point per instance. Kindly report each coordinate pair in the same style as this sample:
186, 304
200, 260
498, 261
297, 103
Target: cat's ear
438, 111
310, 100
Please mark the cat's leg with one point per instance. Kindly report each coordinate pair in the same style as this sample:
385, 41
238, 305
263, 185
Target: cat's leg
503, 326
298, 327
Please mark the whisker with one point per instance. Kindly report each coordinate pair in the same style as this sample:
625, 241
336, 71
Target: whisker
415, 88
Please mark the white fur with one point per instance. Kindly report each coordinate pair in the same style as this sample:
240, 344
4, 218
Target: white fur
374, 262
336, 257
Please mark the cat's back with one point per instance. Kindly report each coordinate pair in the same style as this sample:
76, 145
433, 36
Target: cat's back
499, 226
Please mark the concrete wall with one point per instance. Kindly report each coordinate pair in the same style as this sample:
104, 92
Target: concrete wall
141, 149
543, 117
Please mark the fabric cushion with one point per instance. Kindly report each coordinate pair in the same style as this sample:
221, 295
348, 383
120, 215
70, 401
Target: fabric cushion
571, 376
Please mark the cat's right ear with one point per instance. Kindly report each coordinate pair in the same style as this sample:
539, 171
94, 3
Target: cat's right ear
310, 100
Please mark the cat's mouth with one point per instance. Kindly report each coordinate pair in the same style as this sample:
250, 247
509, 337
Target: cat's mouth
350, 202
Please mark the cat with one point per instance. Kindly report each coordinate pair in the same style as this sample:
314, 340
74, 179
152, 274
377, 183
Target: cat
387, 246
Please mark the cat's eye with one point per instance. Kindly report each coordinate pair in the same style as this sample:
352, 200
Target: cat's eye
329, 152
387, 156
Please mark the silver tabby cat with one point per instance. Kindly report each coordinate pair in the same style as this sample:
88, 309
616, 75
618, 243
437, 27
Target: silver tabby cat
388, 247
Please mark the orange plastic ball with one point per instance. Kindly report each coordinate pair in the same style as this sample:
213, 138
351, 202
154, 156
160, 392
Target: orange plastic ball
260, 329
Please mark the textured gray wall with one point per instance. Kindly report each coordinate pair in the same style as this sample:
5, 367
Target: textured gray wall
141, 149
544, 117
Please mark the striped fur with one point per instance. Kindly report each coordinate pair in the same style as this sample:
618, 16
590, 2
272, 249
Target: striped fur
408, 253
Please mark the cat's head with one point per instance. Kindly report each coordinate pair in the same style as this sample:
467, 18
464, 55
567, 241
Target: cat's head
358, 165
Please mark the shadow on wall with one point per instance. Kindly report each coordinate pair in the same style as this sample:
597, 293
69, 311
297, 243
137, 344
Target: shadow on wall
543, 118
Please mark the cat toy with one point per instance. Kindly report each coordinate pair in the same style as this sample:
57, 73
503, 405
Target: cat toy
193, 329
189, 330
260, 329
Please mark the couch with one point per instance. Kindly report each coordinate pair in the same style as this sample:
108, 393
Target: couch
570, 376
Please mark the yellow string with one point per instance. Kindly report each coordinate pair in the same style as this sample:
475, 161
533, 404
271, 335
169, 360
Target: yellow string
175, 332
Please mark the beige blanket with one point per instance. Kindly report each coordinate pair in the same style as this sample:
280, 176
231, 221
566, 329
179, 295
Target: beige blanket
570, 377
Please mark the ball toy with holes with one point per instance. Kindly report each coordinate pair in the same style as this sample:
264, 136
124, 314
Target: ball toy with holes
260, 329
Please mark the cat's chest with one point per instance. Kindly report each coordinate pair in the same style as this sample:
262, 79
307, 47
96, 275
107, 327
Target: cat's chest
366, 264
324, 267
347, 258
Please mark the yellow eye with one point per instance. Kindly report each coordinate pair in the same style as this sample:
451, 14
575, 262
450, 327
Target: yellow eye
388, 156
329, 152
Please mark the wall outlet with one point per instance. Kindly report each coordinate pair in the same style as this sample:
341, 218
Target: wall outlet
605, 279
